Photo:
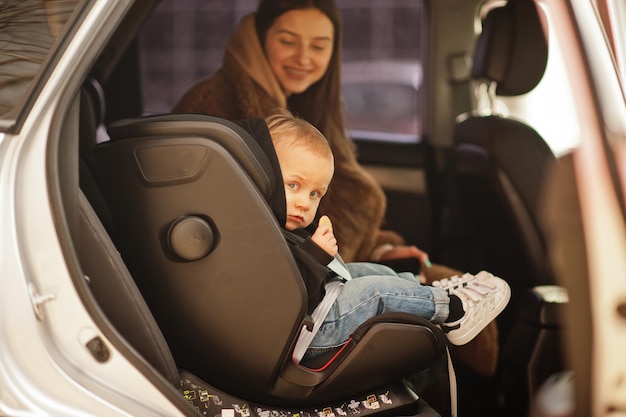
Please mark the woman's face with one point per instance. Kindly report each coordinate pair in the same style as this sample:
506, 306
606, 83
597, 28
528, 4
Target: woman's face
299, 45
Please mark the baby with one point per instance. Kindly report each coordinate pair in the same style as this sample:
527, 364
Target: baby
347, 295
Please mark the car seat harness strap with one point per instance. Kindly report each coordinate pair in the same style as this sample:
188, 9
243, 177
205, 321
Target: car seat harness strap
333, 288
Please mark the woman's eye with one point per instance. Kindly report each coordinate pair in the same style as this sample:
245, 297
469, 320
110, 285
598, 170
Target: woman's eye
292, 186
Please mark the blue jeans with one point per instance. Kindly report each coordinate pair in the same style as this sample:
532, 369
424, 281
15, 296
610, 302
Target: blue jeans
376, 289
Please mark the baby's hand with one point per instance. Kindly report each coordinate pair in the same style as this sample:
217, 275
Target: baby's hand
324, 237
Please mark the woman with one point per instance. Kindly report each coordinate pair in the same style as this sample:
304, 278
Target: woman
288, 54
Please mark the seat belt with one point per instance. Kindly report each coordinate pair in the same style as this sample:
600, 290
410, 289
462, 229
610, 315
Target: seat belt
332, 288
453, 389
340, 268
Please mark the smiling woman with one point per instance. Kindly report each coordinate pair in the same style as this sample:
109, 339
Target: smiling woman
299, 45
287, 54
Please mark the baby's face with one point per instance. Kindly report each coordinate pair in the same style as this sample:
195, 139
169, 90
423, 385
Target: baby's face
306, 177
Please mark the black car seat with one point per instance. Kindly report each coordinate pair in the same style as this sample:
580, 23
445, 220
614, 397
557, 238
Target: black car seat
191, 197
115, 291
498, 167
498, 163
117, 295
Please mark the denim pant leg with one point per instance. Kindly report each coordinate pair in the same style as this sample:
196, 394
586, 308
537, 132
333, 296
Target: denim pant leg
362, 269
366, 296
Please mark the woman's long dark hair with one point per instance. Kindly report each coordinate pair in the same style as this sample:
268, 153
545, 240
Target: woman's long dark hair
321, 103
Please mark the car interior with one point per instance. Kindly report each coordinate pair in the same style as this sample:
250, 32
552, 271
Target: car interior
179, 248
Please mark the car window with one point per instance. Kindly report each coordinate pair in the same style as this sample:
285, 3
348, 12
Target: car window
382, 74
27, 36
376, 108
184, 41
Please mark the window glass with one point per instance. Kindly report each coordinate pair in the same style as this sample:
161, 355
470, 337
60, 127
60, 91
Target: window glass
28, 30
184, 42
382, 74
381, 99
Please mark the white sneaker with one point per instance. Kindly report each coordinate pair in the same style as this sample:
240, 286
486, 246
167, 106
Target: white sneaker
483, 295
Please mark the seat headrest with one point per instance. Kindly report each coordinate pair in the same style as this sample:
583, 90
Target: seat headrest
512, 49
92, 112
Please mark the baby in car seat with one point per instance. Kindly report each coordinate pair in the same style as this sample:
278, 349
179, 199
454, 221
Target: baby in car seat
343, 296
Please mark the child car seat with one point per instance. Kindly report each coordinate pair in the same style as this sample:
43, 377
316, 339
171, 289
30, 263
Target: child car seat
191, 197
110, 284
115, 291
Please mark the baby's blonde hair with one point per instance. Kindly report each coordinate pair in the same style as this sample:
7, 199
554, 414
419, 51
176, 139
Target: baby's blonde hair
286, 129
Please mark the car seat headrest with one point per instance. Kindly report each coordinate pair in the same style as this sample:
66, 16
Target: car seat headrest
92, 112
257, 128
512, 49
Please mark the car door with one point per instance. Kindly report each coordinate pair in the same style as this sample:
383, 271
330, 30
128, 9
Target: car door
59, 355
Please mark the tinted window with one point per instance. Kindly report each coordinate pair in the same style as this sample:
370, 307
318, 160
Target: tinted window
382, 72
28, 30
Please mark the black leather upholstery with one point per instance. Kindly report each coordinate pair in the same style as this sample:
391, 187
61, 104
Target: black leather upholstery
512, 49
498, 163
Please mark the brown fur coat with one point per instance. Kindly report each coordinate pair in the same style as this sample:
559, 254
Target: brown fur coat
245, 87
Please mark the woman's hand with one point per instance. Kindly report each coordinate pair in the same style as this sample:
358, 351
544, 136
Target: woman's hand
324, 237
398, 252
388, 252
